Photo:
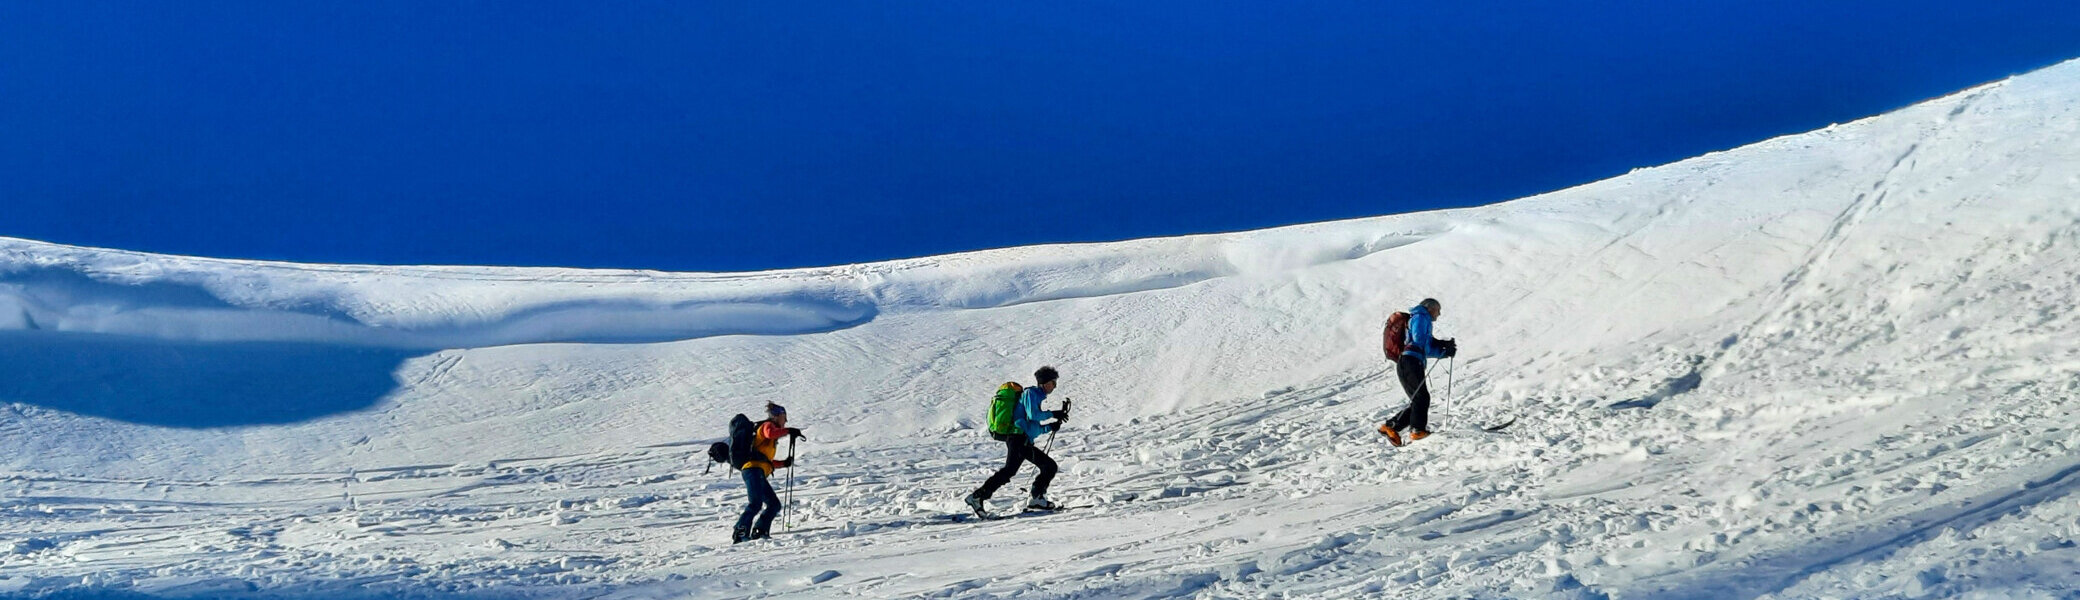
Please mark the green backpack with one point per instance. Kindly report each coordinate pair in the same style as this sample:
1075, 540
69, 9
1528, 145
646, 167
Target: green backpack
1003, 409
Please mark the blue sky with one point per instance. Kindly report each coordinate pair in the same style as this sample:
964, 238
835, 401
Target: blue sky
739, 135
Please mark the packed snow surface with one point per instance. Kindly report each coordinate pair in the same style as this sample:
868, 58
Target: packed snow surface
1841, 363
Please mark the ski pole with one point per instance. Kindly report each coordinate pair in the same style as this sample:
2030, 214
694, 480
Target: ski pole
786, 522
1425, 388
1049, 450
1450, 369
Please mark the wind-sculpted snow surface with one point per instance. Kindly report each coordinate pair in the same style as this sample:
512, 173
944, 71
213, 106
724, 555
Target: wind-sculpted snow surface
1837, 364
48, 287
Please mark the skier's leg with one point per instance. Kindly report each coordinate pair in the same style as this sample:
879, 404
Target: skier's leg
1418, 400
752, 479
1410, 370
1014, 453
1047, 468
763, 490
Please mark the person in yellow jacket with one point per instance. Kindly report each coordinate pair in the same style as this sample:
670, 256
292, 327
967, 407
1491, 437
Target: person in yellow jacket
764, 503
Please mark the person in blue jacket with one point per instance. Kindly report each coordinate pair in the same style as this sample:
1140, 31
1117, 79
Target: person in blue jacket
1020, 447
1418, 347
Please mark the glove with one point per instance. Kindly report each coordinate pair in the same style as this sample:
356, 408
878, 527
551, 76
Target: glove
1056, 426
1062, 415
1450, 347
783, 463
796, 434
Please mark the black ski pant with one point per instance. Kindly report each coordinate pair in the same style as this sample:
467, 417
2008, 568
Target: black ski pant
762, 497
1019, 449
1417, 415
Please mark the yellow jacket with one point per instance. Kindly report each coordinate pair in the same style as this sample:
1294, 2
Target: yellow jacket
766, 440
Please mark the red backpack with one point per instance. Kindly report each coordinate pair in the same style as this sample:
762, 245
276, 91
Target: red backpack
1395, 338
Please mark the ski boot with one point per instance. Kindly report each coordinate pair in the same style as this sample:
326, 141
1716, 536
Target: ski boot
979, 505
1041, 503
738, 535
1419, 434
1393, 436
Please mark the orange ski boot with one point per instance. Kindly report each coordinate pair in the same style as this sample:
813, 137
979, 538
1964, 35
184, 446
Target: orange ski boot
1393, 437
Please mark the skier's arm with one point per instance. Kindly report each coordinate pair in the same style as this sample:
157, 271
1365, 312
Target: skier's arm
1029, 405
1419, 332
770, 431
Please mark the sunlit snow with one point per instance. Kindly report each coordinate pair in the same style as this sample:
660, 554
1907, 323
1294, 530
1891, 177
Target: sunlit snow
1842, 363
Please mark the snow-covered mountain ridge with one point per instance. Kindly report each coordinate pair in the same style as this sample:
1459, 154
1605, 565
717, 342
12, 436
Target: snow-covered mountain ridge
1840, 363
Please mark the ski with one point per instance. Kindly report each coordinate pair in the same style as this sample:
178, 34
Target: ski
969, 517
1056, 509
1499, 428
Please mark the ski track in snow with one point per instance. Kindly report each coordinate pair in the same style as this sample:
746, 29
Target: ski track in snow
1832, 364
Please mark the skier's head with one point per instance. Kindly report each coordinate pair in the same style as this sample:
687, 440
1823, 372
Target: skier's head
1430, 304
777, 414
1046, 377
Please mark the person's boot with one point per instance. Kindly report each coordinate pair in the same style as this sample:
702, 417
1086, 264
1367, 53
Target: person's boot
1419, 434
759, 534
739, 534
1393, 437
1041, 503
979, 504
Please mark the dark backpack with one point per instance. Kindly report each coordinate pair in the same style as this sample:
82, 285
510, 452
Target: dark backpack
741, 450
1003, 409
718, 452
1395, 339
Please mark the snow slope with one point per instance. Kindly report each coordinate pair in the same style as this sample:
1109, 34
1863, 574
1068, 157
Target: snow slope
1841, 363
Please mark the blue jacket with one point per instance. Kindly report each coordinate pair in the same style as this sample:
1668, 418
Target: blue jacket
1028, 417
1419, 342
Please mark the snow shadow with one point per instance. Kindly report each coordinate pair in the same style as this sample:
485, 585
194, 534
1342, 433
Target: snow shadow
1689, 381
192, 385
1669, 389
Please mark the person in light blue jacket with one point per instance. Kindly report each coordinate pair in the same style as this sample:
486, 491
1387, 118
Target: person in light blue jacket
1417, 348
1021, 448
